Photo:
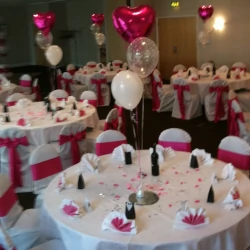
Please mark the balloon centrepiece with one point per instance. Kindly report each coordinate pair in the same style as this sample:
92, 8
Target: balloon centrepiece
204, 37
95, 28
44, 41
97, 19
100, 38
54, 55
127, 88
44, 21
142, 56
132, 23
205, 12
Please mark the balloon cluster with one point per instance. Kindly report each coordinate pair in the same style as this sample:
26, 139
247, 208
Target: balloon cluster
44, 39
95, 28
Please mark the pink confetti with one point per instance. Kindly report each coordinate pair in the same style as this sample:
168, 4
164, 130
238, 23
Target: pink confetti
124, 175
173, 167
170, 205
116, 185
197, 169
176, 172
181, 182
119, 166
101, 183
196, 186
117, 197
161, 189
199, 180
159, 193
167, 182
197, 201
129, 186
133, 179
187, 172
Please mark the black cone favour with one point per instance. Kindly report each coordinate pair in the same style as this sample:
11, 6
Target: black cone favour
111, 66
189, 73
5, 108
74, 106
194, 162
80, 184
7, 118
130, 211
154, 162
214, 71
229, 74
210, 197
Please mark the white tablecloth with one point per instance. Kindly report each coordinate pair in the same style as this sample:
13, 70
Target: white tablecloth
85, 79
201, 87
110, 189
43, 129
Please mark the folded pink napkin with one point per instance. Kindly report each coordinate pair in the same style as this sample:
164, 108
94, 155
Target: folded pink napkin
70, 208
23, 122
81, 112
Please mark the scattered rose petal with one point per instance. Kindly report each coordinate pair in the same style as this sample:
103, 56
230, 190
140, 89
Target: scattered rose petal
176, 172
124, 175
196, 186
101, 183
119, 166
197, 201
116, 185
117, 197
161, 189
173, 167
199, 180
159, 193
129, 186
133, 179
167, 182
181, 182
187, 172
197, 169
170, 205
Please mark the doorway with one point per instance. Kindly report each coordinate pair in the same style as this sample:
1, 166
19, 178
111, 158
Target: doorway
177, 43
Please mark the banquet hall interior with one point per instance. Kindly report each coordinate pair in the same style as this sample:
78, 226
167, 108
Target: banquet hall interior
140, 106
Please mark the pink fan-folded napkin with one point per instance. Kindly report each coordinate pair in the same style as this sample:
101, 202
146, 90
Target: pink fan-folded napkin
23, 122
70, 208
103, 71
117, 222
60, 117
194, 77
81, 112
191, 218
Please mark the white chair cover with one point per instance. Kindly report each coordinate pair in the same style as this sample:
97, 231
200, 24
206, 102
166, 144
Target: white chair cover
14, 143
239, 65
58, 94
98, 84
184, 98
68, 146
100, 66
25, 82
218, 94
117, 64
207, 65
179, 67
50, 245
14, 98
90, 96
71, 69
91, 66
113, 121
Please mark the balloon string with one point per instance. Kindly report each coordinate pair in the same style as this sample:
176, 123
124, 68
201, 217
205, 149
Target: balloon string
139, 146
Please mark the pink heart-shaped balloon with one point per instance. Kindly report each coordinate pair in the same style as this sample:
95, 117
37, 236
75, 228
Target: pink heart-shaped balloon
97, 19
205, 12
132, 23
44, 21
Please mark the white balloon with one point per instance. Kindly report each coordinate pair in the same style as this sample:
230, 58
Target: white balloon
127, 88
100, 38
54, 54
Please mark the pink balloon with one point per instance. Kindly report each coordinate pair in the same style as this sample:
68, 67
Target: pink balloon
205, 12
132, 23
97, 19
44, 21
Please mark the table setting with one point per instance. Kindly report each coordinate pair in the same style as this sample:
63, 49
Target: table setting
200, 201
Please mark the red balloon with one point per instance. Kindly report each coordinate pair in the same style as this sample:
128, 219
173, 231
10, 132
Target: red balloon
132, 23
97, 19
44, 21
205, 12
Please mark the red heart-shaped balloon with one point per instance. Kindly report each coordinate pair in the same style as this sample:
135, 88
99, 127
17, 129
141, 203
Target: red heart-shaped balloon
132, 23
97, 19
205, 12
44, 21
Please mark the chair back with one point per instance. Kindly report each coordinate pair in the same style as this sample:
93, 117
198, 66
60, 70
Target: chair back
67, 82
223, 69
239, 65
107, 141
112, 121
45, 164
90, 96
72, 143
100, 66
59, 94
237, 121
235, 150
14, 98
175, 138
71, 69
10, 210
36, 90
122, 116
25, 81
179, 67
117, 64
91, 66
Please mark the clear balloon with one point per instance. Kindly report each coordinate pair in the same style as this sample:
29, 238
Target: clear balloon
95, 28
204, 37
54, 55
100, 38
143, 56
44, 41
127, 88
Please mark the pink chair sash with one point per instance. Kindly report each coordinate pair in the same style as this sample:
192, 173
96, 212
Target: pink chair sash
229, 114
72, 71
234, 126
111, 125
155, 96
14, 159
117, 64
91, 102
45, 169
36, 90
180, 95
67, 83
7, 201
121, 114
25, 83
178, 146
219, 109
61, 98
238, 160
58, 80
9, 104
73, 139
98, 83
104, 148
92, 66
240, 68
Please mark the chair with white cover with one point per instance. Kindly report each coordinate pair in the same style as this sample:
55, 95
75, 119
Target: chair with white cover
207, 65
223, 69
25, 83
90, 96
117, 64
98, 84
179, 67
239, 65
235, 150
50, 245
175, 138
100, 66
72, 144
71, 69
107, 141
216, 102
113, 121
58, 94
91, 66
14, 98
23, 227
186, 104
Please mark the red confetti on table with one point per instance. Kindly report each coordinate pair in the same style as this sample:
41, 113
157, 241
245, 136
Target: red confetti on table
167, 182
181, 182
119, 166
116, 185
197, 201
196, 186
101, 183
176, 172
133, 179
161, 189
197, 169
170, 205
124, 175
187, 172
117, 197
199, 180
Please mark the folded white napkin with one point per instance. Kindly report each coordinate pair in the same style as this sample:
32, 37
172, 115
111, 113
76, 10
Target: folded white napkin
119, 152
191, 218
162, 152
70, 208
223, 69
203, 157
60, 117
228, 172
85, 104
23, 103
91, 162
71, 99
63, 183
87, 206
118, 223
62, 103
214, 179
5, 83
233, 200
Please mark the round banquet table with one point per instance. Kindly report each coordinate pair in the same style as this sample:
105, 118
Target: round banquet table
201, 86
110, 189
43, 128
